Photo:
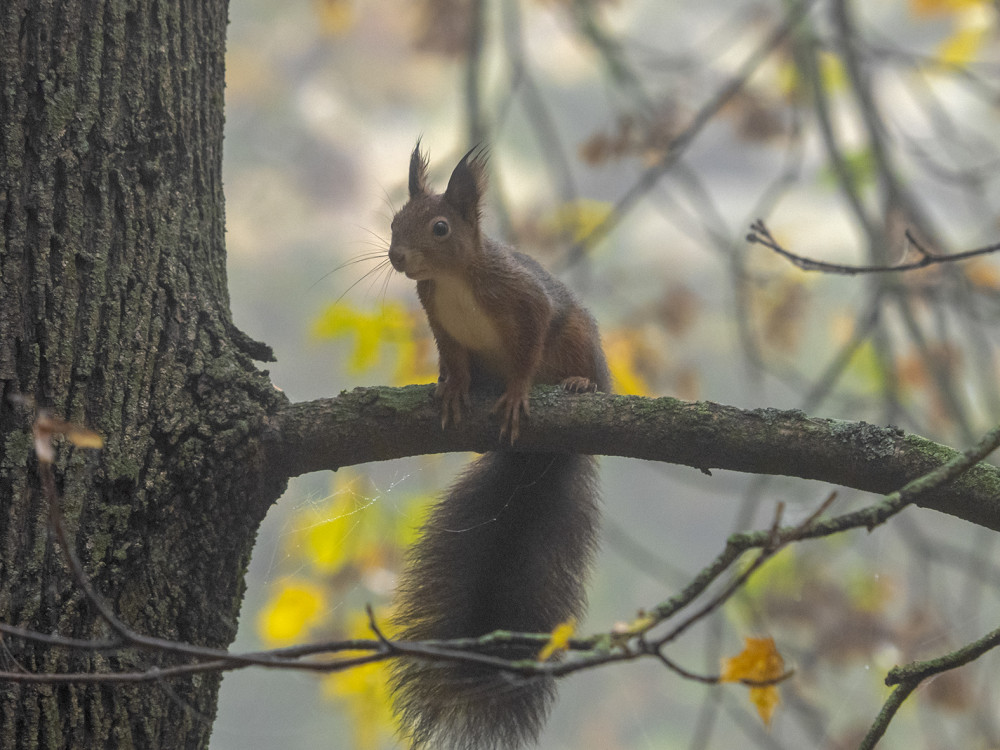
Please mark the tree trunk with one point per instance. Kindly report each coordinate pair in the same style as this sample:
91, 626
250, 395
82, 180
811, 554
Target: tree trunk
114, 314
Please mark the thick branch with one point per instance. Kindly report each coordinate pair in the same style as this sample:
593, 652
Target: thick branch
376, 424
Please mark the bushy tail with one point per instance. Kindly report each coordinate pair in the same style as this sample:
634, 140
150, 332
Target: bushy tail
507, 549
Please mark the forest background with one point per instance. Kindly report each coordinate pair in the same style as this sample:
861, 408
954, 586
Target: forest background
632, 145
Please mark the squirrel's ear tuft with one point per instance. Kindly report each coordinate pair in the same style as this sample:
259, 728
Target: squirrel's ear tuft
468, 184
418, 172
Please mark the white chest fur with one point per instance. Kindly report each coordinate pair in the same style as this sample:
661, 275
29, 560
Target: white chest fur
463, 318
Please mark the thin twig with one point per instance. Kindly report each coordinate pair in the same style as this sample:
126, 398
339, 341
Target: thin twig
701, 118
907, 678
761, 235
587, 653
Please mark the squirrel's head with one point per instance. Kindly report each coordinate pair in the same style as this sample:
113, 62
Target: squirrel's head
439, 233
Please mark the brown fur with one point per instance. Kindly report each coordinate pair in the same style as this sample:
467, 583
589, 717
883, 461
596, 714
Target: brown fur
532, 330
509, 546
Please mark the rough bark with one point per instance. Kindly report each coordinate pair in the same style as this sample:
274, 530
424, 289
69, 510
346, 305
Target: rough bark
114, 313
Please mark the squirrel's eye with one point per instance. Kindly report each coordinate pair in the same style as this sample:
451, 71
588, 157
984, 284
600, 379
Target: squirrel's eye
440, 228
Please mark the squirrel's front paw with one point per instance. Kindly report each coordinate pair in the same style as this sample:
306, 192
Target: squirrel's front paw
578, 384
509, 407
453, 398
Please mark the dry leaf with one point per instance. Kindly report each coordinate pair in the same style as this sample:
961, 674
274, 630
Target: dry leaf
46, 426
759, 662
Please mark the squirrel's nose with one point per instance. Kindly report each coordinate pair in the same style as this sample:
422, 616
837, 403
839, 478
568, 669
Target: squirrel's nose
398, 258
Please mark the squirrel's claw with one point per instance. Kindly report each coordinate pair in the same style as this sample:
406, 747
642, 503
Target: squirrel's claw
578, 384
453, 398
509, 407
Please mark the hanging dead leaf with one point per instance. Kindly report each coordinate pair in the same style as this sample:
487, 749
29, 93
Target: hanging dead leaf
756, 117
759, 662
648, 137
46, 426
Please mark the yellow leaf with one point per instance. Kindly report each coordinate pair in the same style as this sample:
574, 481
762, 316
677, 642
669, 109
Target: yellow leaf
292, 611
416, 362
389, 325
942, 7
781, 575
758, 662
335, 534
46, 425
964, 43
789, 80
326, 538
559, 641
766, 699
335, 16
628, 354
831, 74
352, 535
81, 437
579, 218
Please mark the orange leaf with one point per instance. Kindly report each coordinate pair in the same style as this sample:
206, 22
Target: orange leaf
81, 437
983, 274
46, 426
758, 662
941, 7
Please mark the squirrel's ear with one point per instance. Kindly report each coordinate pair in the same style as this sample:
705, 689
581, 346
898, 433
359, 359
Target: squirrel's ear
418, 173
468, 184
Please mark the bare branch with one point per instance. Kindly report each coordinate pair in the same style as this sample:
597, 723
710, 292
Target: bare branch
761, 235
652, 174
908, 678
589, 653
377, 424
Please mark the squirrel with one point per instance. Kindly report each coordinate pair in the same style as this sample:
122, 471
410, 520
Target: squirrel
509, 546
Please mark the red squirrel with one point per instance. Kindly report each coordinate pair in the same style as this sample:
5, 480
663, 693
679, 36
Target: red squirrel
509, 546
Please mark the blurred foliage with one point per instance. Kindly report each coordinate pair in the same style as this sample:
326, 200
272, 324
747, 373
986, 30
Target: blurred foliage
364, 693
343, 550
391, 327
619, 164
296, 606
